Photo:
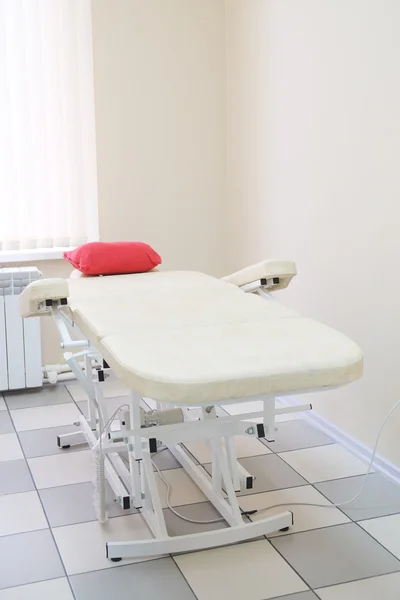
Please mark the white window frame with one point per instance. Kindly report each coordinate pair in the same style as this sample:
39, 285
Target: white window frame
34, 254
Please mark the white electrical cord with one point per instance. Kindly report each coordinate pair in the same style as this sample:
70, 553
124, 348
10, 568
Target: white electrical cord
168, 501
341, 504
107, 426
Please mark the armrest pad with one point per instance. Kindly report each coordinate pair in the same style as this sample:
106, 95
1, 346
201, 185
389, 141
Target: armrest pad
285, 270
32, 298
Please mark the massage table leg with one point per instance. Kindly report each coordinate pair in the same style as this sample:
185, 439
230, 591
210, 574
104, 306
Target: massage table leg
227, 481
136, 455
233, 463
85, 378
269, 418
90, 393
238, 530
114, 467
129, 484
216, 476
154, 496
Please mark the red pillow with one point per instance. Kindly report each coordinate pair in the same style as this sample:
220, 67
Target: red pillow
112, 258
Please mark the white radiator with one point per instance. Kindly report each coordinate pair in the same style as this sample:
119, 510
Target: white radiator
20, 344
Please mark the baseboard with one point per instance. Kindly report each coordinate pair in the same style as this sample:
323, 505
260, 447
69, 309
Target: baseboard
381, 465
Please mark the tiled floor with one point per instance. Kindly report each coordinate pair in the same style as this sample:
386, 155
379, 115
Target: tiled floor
52, 547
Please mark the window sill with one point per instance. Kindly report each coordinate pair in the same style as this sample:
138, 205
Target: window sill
34, 254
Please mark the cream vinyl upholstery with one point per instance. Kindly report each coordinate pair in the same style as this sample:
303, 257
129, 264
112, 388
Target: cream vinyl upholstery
285, 270
32, 298
185, 337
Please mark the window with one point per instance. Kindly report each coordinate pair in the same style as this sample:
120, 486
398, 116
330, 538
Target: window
48, 181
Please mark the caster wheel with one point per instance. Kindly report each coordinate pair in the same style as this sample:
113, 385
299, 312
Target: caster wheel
65, 447
116, 559
284, 529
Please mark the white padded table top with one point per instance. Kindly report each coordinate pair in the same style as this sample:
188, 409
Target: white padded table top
104, 306
185, 337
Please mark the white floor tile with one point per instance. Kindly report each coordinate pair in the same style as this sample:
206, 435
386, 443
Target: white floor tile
111, 388
20, 513
44, 590
2, 403
10, 448
305, 517
183, 489
324, 463
82, 546
245, 446
62, 469
40, 417
385, 587
386, 530
254, 571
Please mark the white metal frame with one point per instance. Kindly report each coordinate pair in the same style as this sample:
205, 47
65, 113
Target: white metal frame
136, 485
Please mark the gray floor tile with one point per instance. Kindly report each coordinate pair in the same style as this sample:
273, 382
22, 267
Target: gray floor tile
69, 504
300, 596
295, 435
44, 396
111, 405
43, 442
334, 555
165, 460
82, 407
28, 557
200, 512
6, 425
271, 473
15, 477
190, 455
379, 498
144, 581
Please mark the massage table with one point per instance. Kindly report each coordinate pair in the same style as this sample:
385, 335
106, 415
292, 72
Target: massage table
191, 343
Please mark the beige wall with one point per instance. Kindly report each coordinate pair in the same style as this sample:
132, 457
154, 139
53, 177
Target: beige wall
314, 151
246, 93
159, 71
